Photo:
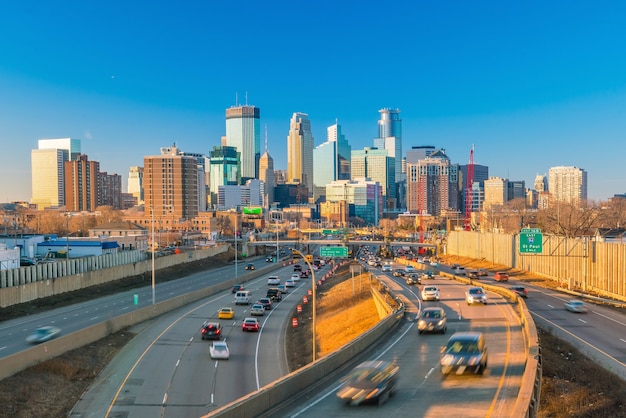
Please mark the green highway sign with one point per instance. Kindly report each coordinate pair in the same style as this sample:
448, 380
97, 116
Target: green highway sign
530, 241
341, 252
331, 231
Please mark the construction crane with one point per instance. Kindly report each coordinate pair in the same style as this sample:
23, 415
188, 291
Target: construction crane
469, 194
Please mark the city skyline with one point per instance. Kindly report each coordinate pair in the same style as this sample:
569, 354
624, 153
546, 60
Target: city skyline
530, 86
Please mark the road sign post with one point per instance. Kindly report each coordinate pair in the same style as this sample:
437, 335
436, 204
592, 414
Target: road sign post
334, 252
531, 241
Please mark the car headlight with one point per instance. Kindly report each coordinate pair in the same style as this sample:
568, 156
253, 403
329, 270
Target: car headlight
474, 360
372, 394
447, 359
421, 322
440, 323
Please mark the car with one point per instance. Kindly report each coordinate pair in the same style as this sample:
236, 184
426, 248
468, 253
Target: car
483, 272
577, 306
413, 278
428, 274
283, 289
304, 274
398, 273
465, 351
226, 313
520, 290
295, 277
269, 259
219, 350
273, 280
370, 381
432, 320
249, 266
274, 294
266, 302
473, 274
257, 310
236, 288
43, 334
386, 268
289, 283
430, 293
475, 295
250, 324
25, 261
297, 267
409, 269
501, 277
211, 331
460, 271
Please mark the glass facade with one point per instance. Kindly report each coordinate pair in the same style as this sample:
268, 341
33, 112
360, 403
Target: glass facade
243, 131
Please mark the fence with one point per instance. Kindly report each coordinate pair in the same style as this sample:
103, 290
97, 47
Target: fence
29, 283
574, 263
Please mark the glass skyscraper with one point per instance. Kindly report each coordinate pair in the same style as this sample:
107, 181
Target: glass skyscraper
331, 160
243, 131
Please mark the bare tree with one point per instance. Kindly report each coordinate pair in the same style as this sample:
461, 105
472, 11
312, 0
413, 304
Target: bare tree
572, 219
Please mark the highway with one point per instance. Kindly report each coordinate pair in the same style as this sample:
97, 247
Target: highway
422, 390
167, 370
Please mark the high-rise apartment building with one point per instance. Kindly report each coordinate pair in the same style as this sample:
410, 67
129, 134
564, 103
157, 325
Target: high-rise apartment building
331, 160
135, 183
496, 192
224, 169
47, 170
376, 165
171, 185
111, 190
300, 151
432, 185
390, 137
243, 131
82, 184
541, 183
567, 184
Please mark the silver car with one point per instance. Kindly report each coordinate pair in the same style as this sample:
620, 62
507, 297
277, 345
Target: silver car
430, 293
465, 351
475, 295
577, 306
432, 320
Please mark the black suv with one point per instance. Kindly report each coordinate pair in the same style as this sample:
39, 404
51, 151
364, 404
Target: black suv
274, 294
266, 302
211, 331
297, 267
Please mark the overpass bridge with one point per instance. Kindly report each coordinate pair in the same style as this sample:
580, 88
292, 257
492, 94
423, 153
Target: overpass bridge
295, 243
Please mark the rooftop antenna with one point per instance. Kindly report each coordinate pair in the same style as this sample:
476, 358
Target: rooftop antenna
236, 99
246, 97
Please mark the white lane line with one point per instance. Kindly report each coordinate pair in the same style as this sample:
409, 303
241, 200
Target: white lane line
582, 320
164, 399
94, 318
2, 348
622, 340
177, 363
550, 306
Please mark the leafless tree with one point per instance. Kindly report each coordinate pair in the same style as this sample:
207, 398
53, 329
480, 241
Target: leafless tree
572, 219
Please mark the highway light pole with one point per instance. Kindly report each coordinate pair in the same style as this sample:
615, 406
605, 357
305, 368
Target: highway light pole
313, 284
152, 244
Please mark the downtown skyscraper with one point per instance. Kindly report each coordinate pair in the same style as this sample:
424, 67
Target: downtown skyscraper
331, 160
243, 131
300, 151
390, 136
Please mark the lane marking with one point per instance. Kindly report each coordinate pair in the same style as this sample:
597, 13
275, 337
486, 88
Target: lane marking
507, 358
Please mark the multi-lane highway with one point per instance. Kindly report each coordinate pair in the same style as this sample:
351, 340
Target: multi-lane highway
167, 370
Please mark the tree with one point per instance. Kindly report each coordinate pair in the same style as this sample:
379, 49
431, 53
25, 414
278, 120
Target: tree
572, 219
223, 224
108, 214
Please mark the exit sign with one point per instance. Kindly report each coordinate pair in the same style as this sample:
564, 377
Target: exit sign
336, 252
530, 241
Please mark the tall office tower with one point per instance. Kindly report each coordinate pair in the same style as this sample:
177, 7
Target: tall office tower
47, 177
331, 160
419, 152
47, 169
432, 185
266, 175
71, 145
516, 189
171, 185
496, 192
135, 183
481, 173
111, 190
390, 136
300, 151
541, 183
225, 169
82, 184
567, 184
243, 131
376, 165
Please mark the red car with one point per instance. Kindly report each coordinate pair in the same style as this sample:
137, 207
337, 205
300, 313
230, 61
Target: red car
250, 324
501, 277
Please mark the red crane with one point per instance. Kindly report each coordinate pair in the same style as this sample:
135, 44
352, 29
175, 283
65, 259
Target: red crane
469, 195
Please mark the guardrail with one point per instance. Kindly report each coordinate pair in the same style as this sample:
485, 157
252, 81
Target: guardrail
294, 383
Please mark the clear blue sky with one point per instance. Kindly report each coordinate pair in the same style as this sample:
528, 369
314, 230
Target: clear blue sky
531, 84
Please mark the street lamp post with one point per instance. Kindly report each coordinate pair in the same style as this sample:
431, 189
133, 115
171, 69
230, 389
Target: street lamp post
152, 243
313, 284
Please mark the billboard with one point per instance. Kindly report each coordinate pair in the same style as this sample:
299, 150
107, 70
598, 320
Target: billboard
253, 211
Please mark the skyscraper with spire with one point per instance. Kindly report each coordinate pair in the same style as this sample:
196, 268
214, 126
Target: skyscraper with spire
266, 175
244, 133
300, 151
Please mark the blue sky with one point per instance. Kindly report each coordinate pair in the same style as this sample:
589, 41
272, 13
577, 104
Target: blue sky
530, 84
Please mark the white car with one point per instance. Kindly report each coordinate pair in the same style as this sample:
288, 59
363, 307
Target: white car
387, 268
409, 269
475, 295
290, 283
273, 280
43, 334
257, 310
430, 293
219, 350
295, 277
577, 306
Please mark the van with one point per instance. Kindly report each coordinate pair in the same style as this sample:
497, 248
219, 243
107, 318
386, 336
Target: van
242, 297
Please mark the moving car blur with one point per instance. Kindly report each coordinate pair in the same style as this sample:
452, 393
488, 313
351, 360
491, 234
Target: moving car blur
43, 334
464, 351
370, 381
